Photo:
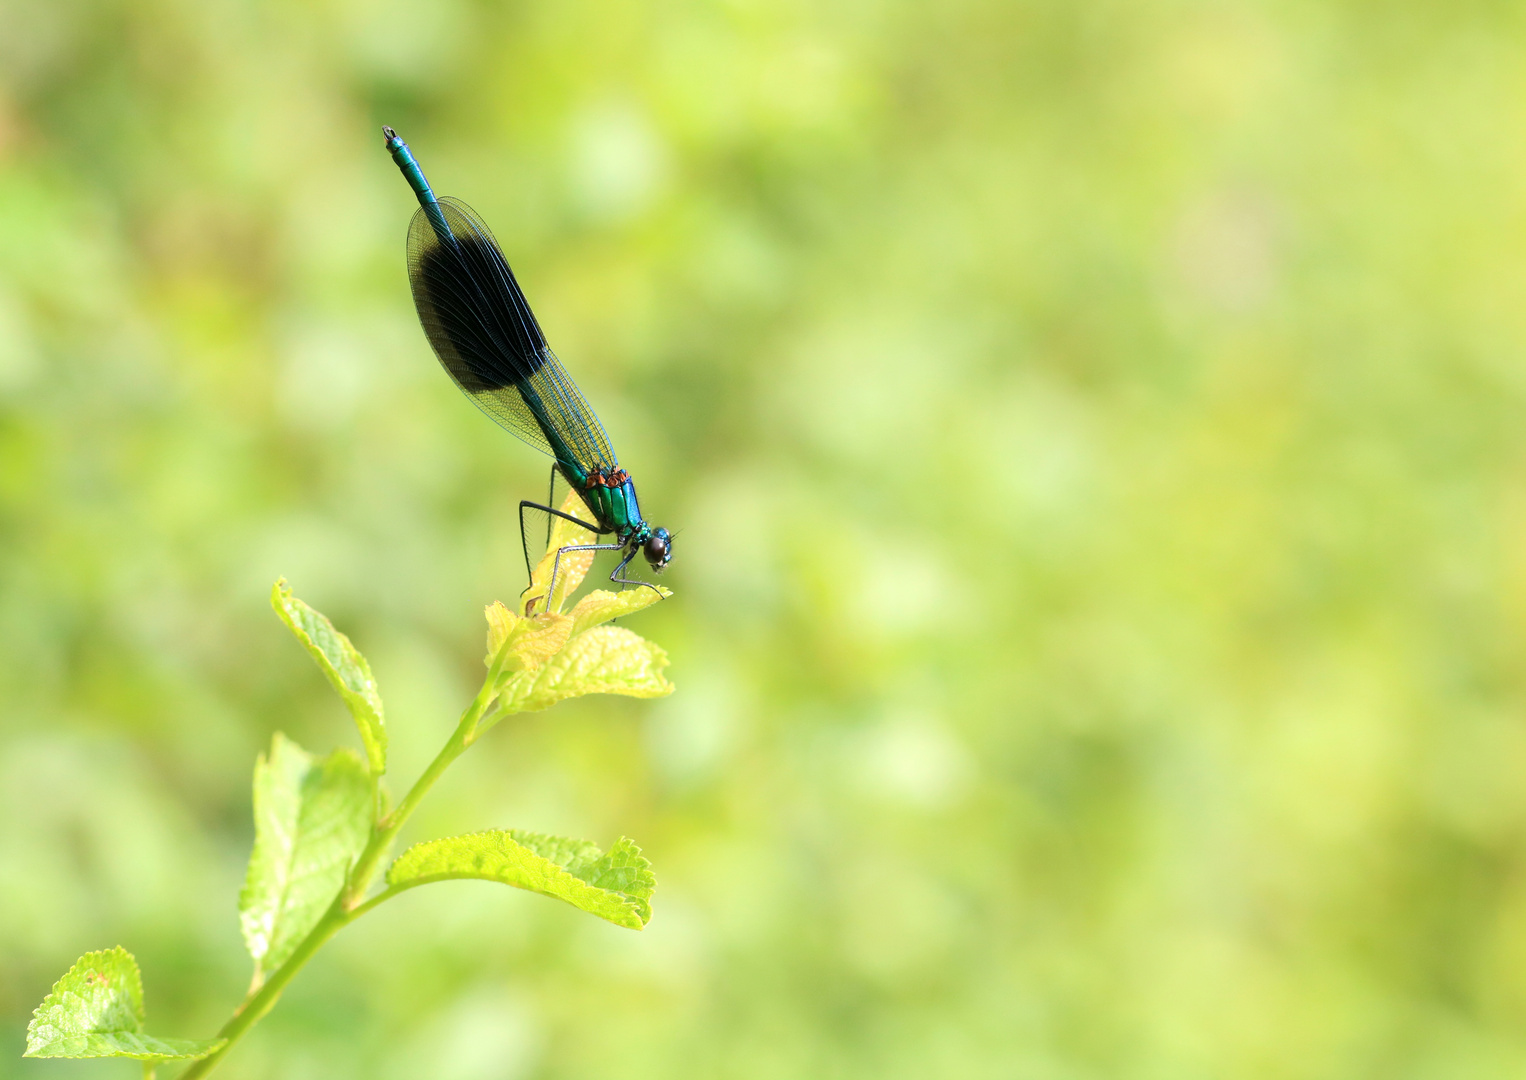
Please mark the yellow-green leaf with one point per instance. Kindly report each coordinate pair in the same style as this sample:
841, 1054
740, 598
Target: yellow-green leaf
531, 641
617, 886
604, 660
501, 622
346, 669
601, 605
311, 819
96, 1010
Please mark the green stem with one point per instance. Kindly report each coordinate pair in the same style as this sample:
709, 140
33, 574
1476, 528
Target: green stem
380, 898
347, 906
487, 722
262, 1000
385, 831
148, 1070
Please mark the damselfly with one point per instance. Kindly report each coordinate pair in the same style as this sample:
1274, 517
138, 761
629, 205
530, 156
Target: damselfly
482, 329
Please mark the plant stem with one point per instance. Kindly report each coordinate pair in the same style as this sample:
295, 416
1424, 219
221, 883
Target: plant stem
386, 830
262, 1000
348, 906
379, 898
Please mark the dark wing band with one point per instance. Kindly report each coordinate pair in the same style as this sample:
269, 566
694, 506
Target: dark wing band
486, 337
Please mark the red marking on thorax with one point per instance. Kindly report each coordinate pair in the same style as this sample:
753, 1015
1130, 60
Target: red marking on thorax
611, 478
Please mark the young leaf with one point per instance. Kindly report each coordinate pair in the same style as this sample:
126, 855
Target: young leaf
311, 819
601, 605
604, 660
574, 565
532, 641
342, 663
96, 1010
617, 886
501, 624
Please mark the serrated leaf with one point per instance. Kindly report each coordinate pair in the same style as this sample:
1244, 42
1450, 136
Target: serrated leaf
574, 566
311, 819
604, 660
617, 886
601, 605
346, 669
532, 641
96, 1010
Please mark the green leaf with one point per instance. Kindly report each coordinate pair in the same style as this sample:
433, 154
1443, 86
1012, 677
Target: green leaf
311, 819
601, 605
342, 663
96, 1010
617, 886
604, 660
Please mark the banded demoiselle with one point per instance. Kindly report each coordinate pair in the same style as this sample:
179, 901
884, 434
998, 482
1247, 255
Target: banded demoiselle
482, 329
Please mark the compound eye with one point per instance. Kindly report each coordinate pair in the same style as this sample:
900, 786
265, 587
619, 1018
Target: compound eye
656, 548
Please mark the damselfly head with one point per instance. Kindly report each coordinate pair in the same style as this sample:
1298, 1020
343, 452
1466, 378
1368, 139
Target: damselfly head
658, 549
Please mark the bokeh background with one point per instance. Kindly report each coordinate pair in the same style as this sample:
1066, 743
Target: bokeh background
1095, 432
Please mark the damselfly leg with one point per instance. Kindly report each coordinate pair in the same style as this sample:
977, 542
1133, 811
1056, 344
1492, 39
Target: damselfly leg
617, 576
556, 565
524, 542
550, 501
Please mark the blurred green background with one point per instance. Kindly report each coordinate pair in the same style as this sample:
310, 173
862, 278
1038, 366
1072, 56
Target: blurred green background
1095, 435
